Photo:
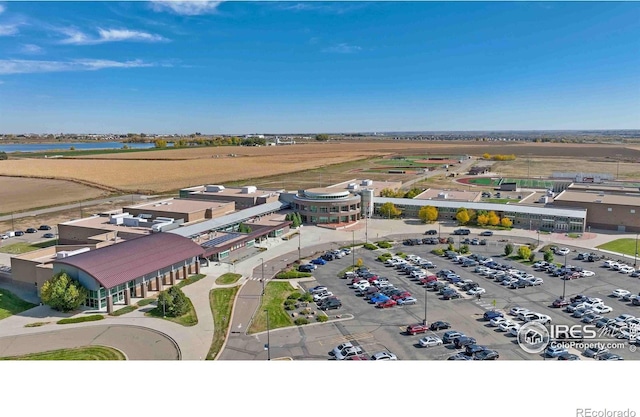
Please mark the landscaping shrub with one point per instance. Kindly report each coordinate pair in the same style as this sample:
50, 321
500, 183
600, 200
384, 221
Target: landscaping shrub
294, 295
292, 274
289, 307
290, 301
300, 321
306, 311
384, 244
81, 319
438, 251
322, 318
370, 246
384, 257
306, 297
401, 254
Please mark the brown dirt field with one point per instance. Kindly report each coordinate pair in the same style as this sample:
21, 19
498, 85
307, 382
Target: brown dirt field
18, 194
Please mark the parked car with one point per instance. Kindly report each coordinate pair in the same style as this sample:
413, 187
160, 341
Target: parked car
44, 227
608, 356
568, 357
331, 304
486, 355
488, 315
406, 301
416, 328
486, 233
460, 356
387, 304
429, 341
620, 293
31, 230
18, 233
383, 356
431, 232
439, 325
319, 261
463, 341
595, 351
48, 236
450, 335
317, 289
348, 352
560, 302
553, 350
306, 268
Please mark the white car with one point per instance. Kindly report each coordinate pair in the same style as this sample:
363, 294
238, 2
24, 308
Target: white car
340, 348
429, 341
624, 318
601, 309
586, 273
476, 291
322, 296
517, 310
348, 352
507, 325
563, 251
620, 293
540, 318
536, 281
465, 281
406, 301
497, 321
383, 356
609, 263
513, 331
626, 270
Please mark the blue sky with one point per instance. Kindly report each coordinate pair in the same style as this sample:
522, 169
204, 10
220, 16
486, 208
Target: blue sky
285, 67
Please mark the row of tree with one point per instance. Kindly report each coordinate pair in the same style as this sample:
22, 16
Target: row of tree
498, 157
429, 214
398, 193
294, 218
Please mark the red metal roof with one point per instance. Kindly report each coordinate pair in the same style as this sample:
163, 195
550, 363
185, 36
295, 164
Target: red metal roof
122, 262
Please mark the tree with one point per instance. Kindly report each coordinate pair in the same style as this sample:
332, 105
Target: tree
493, 218
173, 302
505, 222
3, 156
389, 210
428, 214
63, 293
323, 137
462, 216
482, 219
243, 228
548, 256
160, 143
508, 249
299, 218
532, 257
412, 193
524, 252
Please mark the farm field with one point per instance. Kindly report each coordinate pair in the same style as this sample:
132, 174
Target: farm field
18, 194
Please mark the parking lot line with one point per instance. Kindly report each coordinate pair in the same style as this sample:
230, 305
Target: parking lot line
348, 338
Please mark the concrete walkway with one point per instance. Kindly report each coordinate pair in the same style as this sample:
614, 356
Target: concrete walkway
194, 342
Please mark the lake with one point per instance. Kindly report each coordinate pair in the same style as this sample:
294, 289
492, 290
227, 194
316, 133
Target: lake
65, 146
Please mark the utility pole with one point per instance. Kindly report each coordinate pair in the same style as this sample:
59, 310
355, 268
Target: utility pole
268, 345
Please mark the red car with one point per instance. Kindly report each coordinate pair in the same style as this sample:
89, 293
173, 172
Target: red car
560, 302
403, 294
416, 328
387, 304
428, 279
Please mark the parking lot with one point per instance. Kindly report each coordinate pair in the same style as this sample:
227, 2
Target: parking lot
384, 329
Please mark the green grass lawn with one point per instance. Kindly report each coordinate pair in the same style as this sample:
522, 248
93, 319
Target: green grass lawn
23, 247
81, 319
11, 304
221, 302
87, 353
626, 246
228, 278
484, 181
500, 200
190, 280
190, 318
274, 295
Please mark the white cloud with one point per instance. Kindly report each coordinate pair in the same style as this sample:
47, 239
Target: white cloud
76, 37
30, 48
8, 30
2, 9
22, 66
342, 48
185, 7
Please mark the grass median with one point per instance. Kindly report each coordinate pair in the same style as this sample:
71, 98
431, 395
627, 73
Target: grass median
11, 304
273, 301
625, 246
221, 302
86, 353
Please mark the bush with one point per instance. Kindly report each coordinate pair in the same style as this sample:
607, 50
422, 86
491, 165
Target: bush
508, 249
290, 307
307, 297
300, 321
292, 274
524, 252
173, 302
294, 295
81, 319
370, 246
402, 255
464, 249
384, 245
306, 311
290, 301
322, 318
548, 256
438, 251
384, 257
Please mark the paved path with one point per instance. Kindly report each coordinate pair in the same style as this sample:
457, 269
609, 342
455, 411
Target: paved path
194, 342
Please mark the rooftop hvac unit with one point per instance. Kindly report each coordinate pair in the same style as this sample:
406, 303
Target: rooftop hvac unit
249, 189
214, 188
353, 186
366, 183
443, 195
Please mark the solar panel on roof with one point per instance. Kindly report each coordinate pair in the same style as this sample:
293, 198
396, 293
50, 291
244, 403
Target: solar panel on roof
220, 239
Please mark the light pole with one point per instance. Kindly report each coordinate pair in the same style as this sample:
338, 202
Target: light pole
353, 247
366, 226
267, 347
564, 283
424, 322
635, 259
538, 244
262, 279
299, 244
438, 231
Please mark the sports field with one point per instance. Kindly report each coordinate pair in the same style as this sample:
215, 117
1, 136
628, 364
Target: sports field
530, 183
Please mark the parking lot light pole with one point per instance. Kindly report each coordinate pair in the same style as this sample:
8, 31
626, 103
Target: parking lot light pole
564, 284
424, 322
635, 259
262, 279
353, 247
267, 347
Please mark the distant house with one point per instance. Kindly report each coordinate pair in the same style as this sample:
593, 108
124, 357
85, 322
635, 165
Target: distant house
478, 170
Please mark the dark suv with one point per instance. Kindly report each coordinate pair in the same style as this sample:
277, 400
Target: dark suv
332, 304
438, 325
431, 232
461, 232
463, 341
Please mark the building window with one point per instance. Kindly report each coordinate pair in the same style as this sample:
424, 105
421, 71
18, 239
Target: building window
633, 211
609, 209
